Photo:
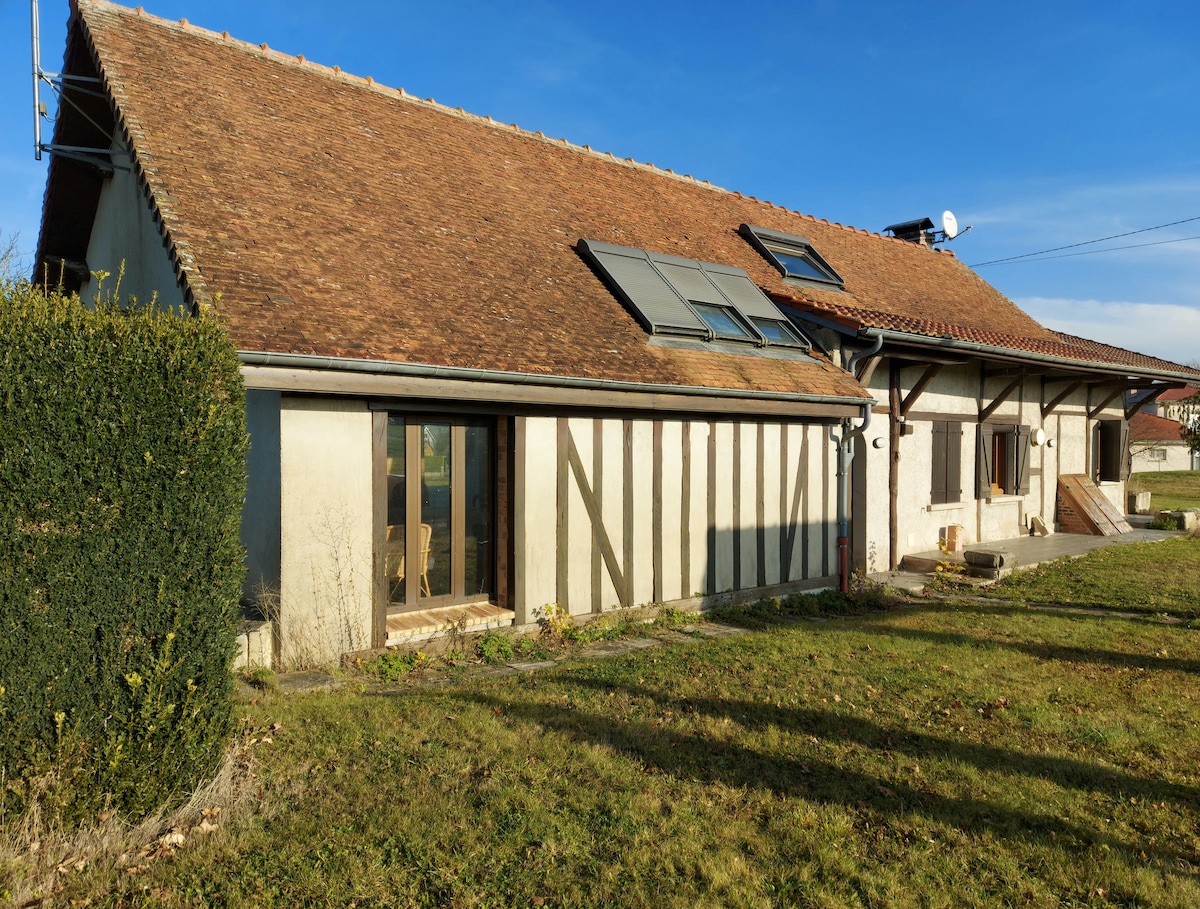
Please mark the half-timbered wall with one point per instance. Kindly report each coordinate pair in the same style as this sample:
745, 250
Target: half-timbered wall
961, 393
625, 512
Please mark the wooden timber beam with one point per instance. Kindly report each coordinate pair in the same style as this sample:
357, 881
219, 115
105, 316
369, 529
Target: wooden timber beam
910, 399
1012, 386
1093, 411
1047, 409
1153, 392
868, 370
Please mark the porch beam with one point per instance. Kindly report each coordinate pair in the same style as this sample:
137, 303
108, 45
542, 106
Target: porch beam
1047, 409
894, 428
868, 371
1138, 405
928, 376
1012, 386
1093, 411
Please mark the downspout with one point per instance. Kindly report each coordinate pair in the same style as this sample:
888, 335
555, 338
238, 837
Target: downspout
845, 455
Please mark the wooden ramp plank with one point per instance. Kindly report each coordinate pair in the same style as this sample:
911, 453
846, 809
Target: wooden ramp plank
1091, 506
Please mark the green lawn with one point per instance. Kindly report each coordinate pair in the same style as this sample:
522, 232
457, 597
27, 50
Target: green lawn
1171, 490
937, 754
1144, 577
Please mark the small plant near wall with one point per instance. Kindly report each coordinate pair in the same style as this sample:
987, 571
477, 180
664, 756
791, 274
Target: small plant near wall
395, 665
493, 647
949, 569
557, 622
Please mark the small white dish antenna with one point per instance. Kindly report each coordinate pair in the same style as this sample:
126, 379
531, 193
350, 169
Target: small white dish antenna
949, 225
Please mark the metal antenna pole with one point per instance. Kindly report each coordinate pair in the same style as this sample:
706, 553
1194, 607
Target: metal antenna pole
37, 84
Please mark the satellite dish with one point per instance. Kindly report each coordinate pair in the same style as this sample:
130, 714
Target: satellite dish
949, 225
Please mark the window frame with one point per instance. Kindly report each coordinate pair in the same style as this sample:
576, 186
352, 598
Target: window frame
460, 512
1009, 444
748, 333
1110, 451
772, 244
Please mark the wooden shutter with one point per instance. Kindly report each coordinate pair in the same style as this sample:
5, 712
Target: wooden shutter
937, 494
1124, 454
954, 462
983, 460
947, 462
1019, 462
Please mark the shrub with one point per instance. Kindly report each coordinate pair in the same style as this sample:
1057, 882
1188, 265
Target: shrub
122, 467
494, 647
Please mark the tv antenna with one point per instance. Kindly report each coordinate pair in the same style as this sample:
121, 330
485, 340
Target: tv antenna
59, 84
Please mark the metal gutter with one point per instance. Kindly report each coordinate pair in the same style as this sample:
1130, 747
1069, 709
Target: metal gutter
458, 373
1009, 353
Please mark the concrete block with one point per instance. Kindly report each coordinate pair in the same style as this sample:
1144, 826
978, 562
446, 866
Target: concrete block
993, 559
1138, 502
994, 574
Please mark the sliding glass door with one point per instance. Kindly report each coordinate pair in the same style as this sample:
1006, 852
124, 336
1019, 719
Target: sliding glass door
441, 482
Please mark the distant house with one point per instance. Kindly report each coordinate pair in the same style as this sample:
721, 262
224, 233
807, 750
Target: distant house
1174, 404
489, 371
1157, 443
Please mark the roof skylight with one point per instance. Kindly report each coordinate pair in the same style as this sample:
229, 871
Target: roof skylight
795, 257
703, 300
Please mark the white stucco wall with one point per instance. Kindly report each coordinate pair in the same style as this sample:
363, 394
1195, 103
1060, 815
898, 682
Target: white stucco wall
124, 232
956, 393
326, 582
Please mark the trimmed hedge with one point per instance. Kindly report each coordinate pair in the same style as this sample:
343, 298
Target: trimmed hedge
122, 475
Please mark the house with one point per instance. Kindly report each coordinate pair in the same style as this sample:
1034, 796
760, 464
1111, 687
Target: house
489, 371
1176, 404
1157, 443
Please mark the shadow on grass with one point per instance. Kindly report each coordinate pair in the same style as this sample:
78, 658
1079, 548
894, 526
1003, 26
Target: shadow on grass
1047, 651
702, 760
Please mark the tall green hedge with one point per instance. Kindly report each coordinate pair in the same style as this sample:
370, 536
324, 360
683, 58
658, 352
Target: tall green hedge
122, 441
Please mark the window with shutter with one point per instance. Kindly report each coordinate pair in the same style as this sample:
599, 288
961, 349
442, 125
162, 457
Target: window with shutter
947, 461
1001, 460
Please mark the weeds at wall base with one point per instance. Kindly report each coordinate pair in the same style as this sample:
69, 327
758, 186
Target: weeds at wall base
38, 854
561, 633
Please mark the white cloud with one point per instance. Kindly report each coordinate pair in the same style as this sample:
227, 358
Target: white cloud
1162, 330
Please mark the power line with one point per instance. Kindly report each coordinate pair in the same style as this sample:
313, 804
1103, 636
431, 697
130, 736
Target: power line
1129, 233
1093, 252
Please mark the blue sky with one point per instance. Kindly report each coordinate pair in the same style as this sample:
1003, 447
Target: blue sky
1039, 124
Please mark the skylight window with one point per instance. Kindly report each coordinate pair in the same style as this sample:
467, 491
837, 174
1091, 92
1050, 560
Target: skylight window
705, 301
795, 257
722, 321
779, 332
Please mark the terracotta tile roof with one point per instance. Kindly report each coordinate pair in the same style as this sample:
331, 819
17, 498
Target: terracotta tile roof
339, 217
1147, 427
1178, 394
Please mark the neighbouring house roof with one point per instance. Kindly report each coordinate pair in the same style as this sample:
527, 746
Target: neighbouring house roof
1148, 427
340, 218
1178, 394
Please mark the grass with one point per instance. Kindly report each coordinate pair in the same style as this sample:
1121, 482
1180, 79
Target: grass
1170, 490
1150, 578
940, 754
